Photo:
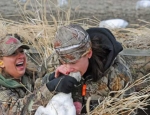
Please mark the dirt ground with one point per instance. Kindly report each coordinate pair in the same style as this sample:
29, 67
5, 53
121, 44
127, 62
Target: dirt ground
101, 9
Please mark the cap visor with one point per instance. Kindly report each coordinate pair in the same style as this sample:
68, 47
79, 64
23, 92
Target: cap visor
24, 47
19, 46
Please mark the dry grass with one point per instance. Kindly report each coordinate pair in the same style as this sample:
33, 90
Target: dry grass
37, 28
119, 106
37, 25
137, 38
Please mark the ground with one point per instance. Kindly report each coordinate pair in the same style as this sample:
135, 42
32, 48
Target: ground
101, 9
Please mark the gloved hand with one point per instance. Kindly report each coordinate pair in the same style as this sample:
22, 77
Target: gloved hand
63, 83
48, 77
52, 76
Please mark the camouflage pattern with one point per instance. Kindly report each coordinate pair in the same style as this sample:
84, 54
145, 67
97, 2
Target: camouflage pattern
24, 97
139, 67
9, 44
71, 42
116, 78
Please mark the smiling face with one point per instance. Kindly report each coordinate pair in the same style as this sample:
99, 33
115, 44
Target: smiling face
15, 64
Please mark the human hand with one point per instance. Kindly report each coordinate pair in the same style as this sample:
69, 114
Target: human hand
78, 107
64, 70
63, 83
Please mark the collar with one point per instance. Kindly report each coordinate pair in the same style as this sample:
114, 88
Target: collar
9, 82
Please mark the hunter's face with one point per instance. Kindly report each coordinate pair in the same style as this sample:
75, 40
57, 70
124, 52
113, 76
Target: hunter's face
15, 64
80, 65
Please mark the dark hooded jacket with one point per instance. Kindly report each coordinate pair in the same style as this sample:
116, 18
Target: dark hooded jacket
108, 50
116, 75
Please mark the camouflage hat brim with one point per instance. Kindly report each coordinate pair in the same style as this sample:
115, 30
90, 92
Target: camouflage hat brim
24, 47
70, 57
19, 46
9, 44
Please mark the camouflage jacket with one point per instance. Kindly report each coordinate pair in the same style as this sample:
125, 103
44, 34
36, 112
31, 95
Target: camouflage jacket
20, 98
116, 78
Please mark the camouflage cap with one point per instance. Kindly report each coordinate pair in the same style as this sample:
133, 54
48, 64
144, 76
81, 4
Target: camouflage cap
9, 44
71, 42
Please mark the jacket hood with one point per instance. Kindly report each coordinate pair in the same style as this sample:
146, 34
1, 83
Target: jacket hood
107, 39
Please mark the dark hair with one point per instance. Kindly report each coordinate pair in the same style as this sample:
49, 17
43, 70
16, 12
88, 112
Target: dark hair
98, 58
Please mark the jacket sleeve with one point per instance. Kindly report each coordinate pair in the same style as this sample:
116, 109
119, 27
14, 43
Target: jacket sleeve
119, 76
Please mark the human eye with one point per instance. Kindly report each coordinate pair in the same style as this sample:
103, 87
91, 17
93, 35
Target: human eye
13, 54
74, 62
21, 51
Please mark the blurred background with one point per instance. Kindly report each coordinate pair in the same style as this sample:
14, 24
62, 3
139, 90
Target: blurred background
101, 9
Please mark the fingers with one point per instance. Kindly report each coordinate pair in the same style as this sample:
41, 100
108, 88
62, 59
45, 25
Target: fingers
63, 69
57, 73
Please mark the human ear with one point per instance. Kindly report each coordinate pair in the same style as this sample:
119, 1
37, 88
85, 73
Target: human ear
1, 64
89, 54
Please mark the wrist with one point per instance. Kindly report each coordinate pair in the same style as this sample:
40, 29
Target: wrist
45, 92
